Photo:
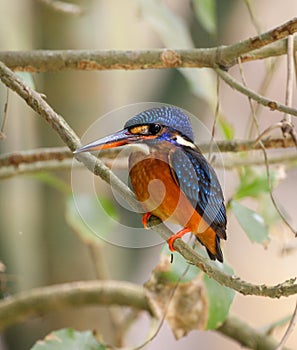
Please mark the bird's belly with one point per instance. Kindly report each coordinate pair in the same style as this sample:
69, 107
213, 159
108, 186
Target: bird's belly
159, 194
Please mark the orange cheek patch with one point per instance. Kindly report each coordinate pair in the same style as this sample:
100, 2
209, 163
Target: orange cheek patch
141, 129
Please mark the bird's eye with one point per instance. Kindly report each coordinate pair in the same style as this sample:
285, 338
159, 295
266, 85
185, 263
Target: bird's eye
154, 129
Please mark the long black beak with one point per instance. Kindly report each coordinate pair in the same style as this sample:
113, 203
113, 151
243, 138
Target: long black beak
120, 138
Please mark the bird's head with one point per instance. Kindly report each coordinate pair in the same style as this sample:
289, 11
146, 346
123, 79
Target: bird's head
151, 126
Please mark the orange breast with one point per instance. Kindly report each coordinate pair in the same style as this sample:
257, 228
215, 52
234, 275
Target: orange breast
159, 194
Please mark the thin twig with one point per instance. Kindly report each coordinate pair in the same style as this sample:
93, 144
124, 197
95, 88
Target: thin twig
288, 128
267, 131
290, 76
2, 130
272, 105
250, 6
265, 84
276, 206
161, 321
295, 58
216, 116
253, 113
289, 330
258, 140
289, 160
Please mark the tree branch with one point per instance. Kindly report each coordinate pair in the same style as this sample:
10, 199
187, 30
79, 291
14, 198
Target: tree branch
286, 288
18, 158
258, 47
35, 160
60, 158
272, 105
246, 335
7, 172
35, 155
40, 301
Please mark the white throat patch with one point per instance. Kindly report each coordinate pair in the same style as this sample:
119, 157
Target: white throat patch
183, 142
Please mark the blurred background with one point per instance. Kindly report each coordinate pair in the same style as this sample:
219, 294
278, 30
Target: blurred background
37, 244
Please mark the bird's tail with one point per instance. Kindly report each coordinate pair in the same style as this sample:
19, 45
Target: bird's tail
211, 240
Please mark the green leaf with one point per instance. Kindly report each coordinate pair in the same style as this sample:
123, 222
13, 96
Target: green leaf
219, 299
91, 213
226, 127
69, 339
205, 11
253, 184
252, 223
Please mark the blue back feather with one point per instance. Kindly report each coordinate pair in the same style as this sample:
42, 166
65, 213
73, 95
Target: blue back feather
199, 182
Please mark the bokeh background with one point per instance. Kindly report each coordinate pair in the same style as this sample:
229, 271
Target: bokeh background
37, 245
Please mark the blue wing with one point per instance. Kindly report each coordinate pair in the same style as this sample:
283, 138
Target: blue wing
199, 182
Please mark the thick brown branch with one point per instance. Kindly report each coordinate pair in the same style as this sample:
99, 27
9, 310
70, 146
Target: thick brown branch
35, 155
258, 47
40, 301
7, 172
246, 335
52, 61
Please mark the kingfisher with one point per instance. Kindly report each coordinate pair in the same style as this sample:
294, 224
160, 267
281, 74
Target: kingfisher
170, 177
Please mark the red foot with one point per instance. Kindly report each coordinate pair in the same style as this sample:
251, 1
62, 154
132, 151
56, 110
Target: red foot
145, 219
179, 234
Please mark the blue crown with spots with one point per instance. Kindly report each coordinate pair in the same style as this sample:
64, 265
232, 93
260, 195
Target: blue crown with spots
168, 116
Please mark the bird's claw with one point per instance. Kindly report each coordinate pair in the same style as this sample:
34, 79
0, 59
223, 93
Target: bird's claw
177, 235
145, 219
